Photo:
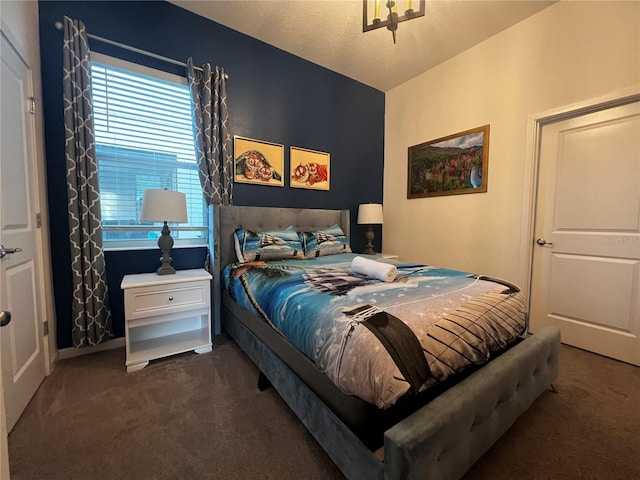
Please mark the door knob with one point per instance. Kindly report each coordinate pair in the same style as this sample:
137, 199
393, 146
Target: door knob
5, 318
8, 251
543, 243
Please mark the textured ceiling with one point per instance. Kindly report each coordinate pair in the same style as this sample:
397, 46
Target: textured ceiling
329, 32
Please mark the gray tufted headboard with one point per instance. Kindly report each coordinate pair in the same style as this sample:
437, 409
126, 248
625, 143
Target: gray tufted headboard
227, 218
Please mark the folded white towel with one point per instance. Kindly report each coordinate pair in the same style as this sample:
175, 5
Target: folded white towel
382, 271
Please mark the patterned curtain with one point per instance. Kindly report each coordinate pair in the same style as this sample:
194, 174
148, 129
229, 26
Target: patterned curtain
91, 315
213, 143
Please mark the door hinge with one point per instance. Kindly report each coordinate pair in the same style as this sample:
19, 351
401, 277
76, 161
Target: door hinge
46, 327
38, 220
32, 105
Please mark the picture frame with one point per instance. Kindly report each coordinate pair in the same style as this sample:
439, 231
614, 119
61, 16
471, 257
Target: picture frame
309, 169
258, 162
451, 165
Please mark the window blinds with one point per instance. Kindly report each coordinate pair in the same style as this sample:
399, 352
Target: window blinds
144, 139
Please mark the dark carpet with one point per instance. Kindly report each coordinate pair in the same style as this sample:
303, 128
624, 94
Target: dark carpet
201, 417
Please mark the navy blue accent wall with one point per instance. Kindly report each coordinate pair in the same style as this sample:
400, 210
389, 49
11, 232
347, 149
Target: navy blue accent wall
271, 95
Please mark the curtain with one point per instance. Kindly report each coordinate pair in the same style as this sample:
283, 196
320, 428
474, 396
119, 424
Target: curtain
91, 315
212, 140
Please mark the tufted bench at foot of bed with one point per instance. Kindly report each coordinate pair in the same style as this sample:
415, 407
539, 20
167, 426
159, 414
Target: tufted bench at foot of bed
446, 437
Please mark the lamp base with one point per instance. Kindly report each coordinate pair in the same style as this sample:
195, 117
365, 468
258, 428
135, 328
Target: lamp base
165, 269
368, 248
165, 242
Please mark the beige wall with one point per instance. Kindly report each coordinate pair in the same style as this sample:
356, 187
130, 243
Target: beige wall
568, 53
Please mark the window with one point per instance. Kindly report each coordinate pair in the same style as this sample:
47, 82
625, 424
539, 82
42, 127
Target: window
144, 139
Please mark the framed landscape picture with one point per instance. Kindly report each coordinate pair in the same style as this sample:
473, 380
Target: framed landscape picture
258, 162
450, 165
309, 169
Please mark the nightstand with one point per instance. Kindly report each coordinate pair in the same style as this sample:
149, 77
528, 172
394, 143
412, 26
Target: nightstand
166, 314
390, 256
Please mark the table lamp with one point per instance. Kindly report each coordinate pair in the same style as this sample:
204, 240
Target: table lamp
370, 214
164, 206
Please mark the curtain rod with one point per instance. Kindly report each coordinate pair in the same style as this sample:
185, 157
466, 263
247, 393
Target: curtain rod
59, 26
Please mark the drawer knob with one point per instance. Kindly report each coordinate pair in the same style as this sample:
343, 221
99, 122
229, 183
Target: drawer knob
170, 299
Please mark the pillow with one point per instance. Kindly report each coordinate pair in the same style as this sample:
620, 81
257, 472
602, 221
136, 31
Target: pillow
267, 244
328, 241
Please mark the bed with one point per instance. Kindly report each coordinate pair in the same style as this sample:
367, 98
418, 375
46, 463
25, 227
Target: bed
441, 439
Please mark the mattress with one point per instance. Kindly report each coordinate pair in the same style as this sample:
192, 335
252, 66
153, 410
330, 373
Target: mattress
460, 320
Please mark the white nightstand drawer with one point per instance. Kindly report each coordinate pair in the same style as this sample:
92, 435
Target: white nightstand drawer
147, 301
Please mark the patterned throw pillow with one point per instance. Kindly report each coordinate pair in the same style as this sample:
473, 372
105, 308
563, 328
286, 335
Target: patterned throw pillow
328, 241
267, 245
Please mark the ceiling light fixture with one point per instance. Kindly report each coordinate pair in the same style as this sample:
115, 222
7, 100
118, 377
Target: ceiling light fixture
372, 8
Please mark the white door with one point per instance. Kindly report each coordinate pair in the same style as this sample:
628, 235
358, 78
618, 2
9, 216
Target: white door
22, 340
586, 262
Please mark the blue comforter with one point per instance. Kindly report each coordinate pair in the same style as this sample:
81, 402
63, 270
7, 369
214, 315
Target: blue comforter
460, 319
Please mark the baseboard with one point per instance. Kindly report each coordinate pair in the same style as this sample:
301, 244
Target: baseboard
76, 352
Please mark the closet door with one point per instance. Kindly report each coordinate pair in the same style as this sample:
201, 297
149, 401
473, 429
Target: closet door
586, 263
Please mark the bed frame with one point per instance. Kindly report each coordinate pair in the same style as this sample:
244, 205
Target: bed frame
441, 440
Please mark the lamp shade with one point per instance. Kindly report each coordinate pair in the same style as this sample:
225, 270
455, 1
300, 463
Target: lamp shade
369, 213
164, 206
